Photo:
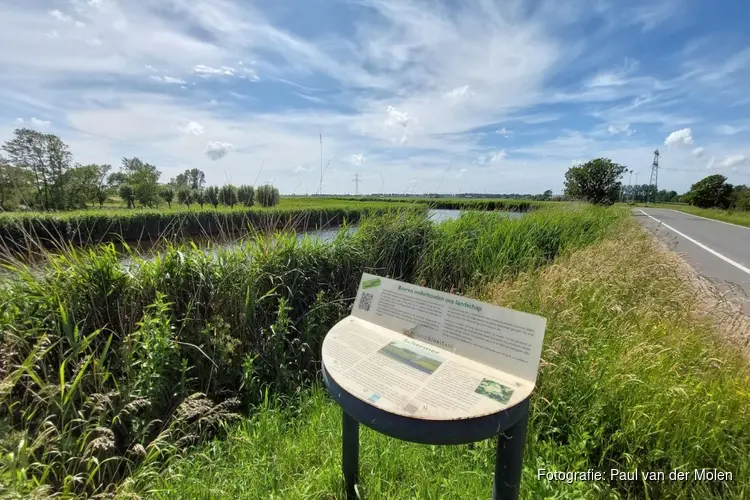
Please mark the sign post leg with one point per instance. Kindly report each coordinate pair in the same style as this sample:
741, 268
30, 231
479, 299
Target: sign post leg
509, 460
350, 453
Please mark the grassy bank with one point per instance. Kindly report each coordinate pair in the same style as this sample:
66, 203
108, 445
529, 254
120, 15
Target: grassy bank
104, 367
460, 203
20, 232
738, 217
630, 378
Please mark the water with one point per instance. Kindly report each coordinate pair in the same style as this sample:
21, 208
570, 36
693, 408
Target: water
439, 215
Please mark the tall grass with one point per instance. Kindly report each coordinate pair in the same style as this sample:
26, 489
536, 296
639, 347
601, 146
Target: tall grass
509, 205
630, 378
103, 365
25, 232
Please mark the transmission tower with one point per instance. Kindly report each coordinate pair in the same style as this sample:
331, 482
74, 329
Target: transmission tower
356, 183
654, 181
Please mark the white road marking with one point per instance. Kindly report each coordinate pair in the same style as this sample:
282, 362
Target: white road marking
706, 218
704, 247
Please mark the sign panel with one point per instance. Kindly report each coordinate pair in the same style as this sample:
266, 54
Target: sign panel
427, 354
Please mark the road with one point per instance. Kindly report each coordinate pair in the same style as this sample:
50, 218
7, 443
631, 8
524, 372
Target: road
716, 250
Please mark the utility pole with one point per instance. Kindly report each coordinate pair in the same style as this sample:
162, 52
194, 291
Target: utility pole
654, 181
356, 183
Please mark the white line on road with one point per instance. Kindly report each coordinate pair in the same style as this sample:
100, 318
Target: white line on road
704, 247
706, 218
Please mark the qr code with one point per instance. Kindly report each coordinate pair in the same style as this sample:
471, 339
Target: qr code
365, 301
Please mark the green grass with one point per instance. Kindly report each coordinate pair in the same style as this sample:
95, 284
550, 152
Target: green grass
104, 366
511, 205
25, 232
630, 378
738, 217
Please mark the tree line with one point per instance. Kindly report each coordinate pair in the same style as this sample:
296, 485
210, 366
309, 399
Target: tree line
599, 181
38, 172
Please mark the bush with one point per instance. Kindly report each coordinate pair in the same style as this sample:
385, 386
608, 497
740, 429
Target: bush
268, 196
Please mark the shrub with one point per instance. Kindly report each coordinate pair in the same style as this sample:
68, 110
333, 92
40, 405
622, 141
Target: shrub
268, 195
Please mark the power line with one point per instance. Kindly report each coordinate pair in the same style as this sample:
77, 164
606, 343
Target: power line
356, 183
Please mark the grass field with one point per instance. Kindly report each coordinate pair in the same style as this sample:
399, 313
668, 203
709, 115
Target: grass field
738, 217
631, 378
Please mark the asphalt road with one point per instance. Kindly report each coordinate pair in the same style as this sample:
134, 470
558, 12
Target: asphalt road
716, 250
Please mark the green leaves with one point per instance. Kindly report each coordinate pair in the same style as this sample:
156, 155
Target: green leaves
596, 181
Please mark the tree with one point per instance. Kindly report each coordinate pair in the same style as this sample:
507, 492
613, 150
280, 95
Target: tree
199, 196
116, 179
185, 196
101, 196
16, 186
268, 195
245, 195
711, 191
192, 178
47, 158
82, 183
596, 181
167, 194
547, 195
741, 197
228, 195
126, 193
144, 178
212, 195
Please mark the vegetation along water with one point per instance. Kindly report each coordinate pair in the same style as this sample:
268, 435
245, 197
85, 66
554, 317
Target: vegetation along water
105, 368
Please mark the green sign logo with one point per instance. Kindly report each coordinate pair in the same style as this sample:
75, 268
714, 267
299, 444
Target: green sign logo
371, 283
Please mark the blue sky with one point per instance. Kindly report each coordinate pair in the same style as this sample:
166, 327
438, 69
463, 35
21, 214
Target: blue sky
504, 96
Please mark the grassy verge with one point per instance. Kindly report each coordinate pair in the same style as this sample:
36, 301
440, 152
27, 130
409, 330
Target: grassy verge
103, 366
631, 378
738, 217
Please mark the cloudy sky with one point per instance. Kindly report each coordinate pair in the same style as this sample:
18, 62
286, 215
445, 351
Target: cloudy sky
483, 96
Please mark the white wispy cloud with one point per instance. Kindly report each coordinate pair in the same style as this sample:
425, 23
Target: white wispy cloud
168, 79
504, 132
699, 152
60, 16
357, 159
732, 161
620, 129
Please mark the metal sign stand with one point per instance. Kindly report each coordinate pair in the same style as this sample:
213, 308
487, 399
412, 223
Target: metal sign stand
508, 425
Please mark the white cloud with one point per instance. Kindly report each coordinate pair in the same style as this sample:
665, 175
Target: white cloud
218, 149
36, 122
60, 16
358, 159
192, 128
459, 93
301, 168
52, 34
699, 152
94, 42
203, 70
33, 122
396, 118
504, 132
492, 158
621, 129
729, 129
682, 137
732, 161
168, 79
80, 24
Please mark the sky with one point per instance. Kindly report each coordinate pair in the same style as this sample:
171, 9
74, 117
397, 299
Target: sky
413, 96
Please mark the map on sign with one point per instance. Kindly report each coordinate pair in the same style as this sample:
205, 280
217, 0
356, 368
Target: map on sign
432, 355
